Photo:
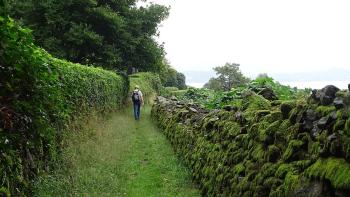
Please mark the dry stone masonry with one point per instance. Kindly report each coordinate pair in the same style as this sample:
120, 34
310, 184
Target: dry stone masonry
264, 147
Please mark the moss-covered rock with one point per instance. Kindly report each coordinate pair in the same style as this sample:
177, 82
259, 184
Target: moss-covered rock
262, 149
325, 110
335, 170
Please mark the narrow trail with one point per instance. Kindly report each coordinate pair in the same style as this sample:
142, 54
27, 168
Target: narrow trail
124, 157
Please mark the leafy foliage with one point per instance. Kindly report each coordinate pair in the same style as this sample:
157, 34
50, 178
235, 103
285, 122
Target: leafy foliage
39, 96
211, 99
110, 33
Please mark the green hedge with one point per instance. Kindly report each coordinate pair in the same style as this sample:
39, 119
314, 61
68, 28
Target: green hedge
39, 97
149, 83
172, 91
262, 149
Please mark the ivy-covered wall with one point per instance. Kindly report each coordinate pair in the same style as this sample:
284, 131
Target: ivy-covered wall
262, 147
39, 98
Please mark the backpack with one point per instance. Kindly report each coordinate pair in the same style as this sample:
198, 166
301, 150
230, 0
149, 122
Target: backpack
136, 96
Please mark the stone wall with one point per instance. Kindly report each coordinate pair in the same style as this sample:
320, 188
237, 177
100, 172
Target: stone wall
264, 148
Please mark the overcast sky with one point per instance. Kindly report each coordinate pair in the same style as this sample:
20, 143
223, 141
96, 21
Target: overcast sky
263, 36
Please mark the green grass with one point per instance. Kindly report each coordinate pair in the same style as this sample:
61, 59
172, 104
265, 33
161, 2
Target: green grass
122, 158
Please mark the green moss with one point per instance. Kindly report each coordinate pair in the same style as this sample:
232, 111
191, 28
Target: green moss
346, 147
301, 165
281, 132
347, 127
261, 113
293, 115
315, 148
283, 169
231, 129
239, 169
325, 110
273, 153
256, 102
4, 192
291, 182
293, 147
258, 153
276, 115
339, 125
342, 93
273, 127
336, 170
287, 106
268, 169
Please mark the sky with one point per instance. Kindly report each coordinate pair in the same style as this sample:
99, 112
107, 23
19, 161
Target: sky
270, 36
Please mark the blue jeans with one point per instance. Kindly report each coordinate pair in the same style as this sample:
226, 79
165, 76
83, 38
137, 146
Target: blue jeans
137, 110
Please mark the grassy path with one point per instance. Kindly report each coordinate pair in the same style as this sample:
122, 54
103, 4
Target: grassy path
122, 158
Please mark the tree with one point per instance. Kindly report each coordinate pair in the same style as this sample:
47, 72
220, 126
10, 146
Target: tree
113, 34
228, 76
181, 81
213, 84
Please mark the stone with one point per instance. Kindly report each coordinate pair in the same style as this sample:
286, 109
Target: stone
326, 95
338, 103
332, 137
240, 118
322, 123
192, 109
335, 144
262, 113
332, 116
307, 125
161, 99
230, 108
315, 131
285, 109
314, 189
173, 98
330, 90
315, 95
276, 103
310, 115
326, 100
268, 94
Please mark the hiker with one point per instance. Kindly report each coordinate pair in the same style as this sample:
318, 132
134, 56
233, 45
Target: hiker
137, 100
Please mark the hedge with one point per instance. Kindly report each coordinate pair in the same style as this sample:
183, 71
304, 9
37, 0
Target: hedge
262, 148
39, 98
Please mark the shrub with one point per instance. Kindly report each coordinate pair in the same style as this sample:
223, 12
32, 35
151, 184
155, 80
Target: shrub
40, 95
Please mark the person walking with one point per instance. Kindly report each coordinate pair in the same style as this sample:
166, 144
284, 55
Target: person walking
137, 100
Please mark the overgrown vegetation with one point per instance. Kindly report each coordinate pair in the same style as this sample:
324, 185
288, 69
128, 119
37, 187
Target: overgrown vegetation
260, 146
264, 86
39, 97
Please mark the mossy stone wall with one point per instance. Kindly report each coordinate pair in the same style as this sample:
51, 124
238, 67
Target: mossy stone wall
292, 148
